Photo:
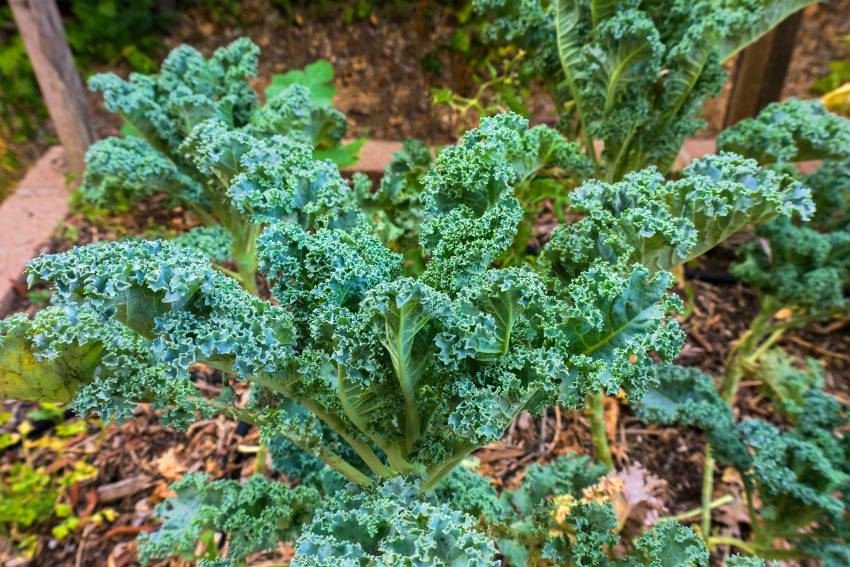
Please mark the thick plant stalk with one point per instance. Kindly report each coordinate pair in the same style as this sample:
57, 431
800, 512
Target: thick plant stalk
245, 258
594, 409
260, 458
707, 487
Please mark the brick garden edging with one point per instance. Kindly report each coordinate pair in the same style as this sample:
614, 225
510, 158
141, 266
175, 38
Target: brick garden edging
29, 216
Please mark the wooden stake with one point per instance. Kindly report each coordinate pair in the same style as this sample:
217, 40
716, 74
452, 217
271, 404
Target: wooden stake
44, 37
761, 69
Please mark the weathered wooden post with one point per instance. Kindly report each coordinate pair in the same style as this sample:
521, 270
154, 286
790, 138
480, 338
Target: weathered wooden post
44, 37
760, 71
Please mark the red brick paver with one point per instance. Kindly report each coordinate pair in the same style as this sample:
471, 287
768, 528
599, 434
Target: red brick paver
374, 155
28, 218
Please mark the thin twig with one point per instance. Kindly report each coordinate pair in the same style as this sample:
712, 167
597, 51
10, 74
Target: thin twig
819, 349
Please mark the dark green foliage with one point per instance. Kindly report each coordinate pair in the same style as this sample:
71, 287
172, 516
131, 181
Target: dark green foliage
795, 479
395, 208
684, 396
744, 561
202, 139
593, 530
800, 476
255, 516
803, 265
170, 293
21, 108
388, 525
214, 241
661, 224
109, 30
472, 211
798, 265
470, 492
610, 324
669, 544
569, 474
790, 131
361, 374
790, 387
634, 75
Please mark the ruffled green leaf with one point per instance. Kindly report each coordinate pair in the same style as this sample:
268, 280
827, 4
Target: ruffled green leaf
609, 328
389, 525
255, 516
790, 131
684, 396
662, 224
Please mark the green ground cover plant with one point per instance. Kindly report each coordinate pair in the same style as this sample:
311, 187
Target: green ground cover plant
34, 490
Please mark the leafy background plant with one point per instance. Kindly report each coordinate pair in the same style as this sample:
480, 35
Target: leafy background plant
36, 491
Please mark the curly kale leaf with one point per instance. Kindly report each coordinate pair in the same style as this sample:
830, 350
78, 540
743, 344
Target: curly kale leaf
635, 75
27, 374
470, 211
744, 561
787, 385
255, 516
790, 131
662, 224
214, 241
684, 396
797, 265
669, 544
591, 532
445, 375
423, 375
329, 267
568, 474
388, 525
610, 326
197, 119
164, 108
272, 178
795, 479
70, 354
471, 492
828, 553
173, 297
471, 214
61, 350
122, 170
830, 186
395, 209
293, 113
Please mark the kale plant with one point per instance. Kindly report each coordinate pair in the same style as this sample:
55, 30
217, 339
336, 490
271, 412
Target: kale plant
402, 331
198, 129
801, 271
371, 374
631, 74
799, 475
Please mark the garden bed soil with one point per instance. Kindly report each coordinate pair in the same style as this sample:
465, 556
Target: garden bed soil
153, 456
